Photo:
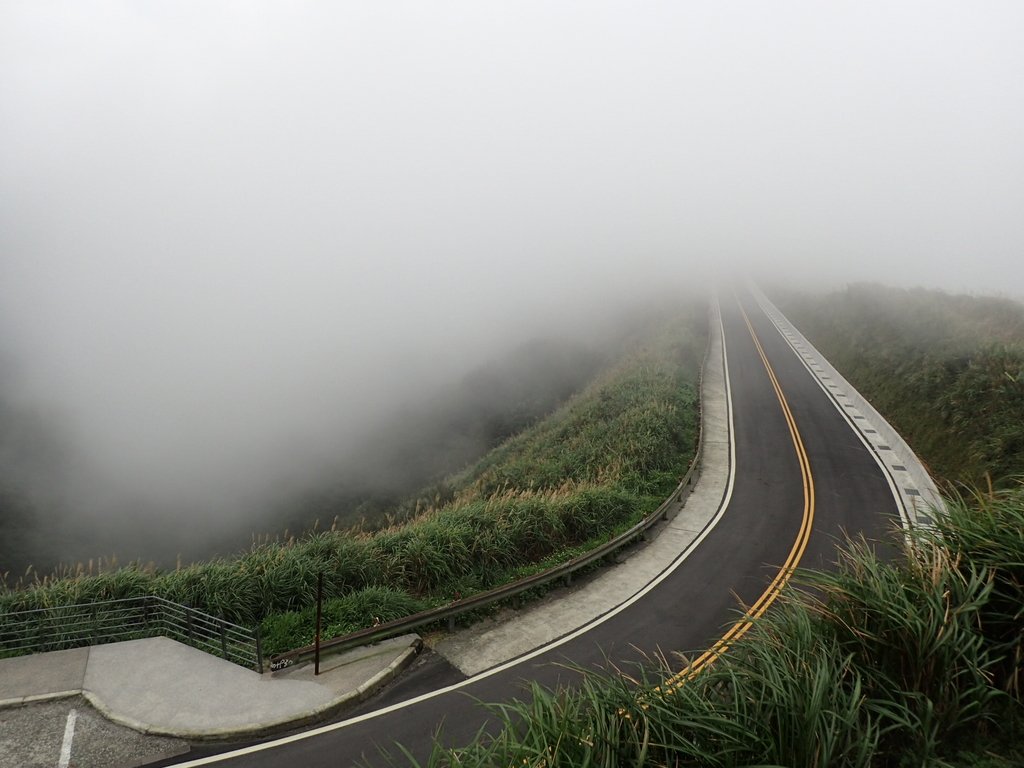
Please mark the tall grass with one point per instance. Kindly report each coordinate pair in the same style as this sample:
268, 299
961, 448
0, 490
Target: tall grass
985, 531
900, 663
596, 465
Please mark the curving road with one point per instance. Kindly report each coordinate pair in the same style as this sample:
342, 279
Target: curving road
800, 477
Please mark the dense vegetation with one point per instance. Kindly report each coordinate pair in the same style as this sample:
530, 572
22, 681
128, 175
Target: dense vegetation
946, 371
596, 465
914, 662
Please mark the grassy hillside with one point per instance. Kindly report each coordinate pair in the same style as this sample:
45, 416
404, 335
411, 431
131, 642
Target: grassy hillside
595, 466
947, 371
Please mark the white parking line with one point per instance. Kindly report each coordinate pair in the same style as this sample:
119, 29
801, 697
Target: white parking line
69, 735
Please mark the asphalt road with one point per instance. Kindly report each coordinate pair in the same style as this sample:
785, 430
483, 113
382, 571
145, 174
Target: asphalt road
801, 479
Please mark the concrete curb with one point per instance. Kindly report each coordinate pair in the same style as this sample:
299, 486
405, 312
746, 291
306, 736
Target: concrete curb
920, 496
351, 698
20, 701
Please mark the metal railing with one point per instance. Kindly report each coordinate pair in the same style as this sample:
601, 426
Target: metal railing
564, 571
110, 621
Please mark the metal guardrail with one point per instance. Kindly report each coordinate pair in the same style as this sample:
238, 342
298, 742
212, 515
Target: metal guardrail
110, 621
452, 610
564, 571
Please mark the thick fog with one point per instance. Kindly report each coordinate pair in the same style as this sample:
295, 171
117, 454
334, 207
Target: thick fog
235, 236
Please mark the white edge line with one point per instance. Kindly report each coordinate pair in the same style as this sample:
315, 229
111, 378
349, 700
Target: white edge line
537, 651
69, 736
901, 506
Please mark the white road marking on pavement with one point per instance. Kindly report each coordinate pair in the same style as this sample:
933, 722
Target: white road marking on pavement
69, 735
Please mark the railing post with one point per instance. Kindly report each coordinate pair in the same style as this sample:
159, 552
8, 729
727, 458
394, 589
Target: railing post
188, 623
40, 631
259, 650
223, 639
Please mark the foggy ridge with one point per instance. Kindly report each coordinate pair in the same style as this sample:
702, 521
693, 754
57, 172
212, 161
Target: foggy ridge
238, 239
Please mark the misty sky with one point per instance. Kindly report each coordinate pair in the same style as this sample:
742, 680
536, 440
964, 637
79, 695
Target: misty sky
232, 233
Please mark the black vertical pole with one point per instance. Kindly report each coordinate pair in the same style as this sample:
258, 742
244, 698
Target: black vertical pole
319, 615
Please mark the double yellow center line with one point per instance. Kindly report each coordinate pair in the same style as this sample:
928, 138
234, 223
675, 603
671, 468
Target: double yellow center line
771, 594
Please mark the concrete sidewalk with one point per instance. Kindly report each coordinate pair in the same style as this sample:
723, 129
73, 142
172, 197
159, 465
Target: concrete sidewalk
160, 686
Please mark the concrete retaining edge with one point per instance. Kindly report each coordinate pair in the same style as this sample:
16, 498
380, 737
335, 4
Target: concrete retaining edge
21, 701
918, 492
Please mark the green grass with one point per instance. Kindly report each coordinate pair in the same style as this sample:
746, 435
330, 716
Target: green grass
593, 467
912, 662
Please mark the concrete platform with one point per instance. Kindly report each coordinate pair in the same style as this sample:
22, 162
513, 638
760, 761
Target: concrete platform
42, 676
160, 686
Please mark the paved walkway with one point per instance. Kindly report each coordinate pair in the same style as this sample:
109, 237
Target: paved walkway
161, 686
